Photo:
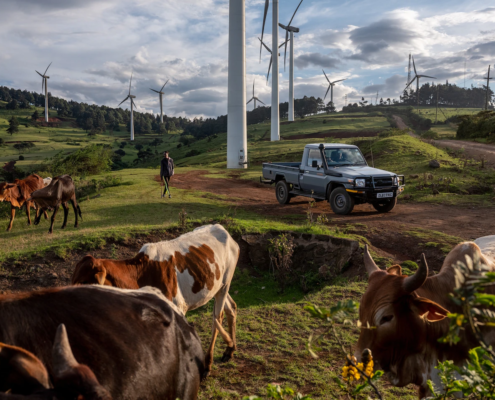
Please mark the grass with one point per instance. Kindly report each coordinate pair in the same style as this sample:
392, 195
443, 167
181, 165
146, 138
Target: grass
444, 112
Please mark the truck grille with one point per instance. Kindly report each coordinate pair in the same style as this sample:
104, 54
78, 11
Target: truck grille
385, 181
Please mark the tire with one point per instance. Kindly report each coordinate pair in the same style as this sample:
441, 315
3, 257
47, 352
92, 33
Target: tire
385, 205
282, 192
342, 203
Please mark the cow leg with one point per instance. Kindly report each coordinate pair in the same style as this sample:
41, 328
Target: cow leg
45, 214
38, 215
55, 210
12, 216
28, 212
66, 214
74, 207
231, 313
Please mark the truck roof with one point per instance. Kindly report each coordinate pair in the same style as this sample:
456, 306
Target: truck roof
331, 145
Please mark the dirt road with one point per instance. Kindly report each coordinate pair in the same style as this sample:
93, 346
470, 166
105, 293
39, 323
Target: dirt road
472, 150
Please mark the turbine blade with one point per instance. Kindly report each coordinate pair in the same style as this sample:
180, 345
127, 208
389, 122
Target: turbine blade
253, 85
252, 98
130, 83
326, 76
327, 92
267, 3
295, 12
409, 84
156, 91
414, 66
132, 101
260, 101
164, 85
269, 67
47, 68
285, 51
265, 46
123, 101
426, 76
39, 74
340, 80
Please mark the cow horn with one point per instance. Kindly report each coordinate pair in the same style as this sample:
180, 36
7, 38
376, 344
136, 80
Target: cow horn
415, 281
62, 358
368, 262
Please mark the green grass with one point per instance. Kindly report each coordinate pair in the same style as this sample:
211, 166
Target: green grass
444, 112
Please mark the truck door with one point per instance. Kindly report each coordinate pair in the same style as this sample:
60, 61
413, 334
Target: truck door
313, 178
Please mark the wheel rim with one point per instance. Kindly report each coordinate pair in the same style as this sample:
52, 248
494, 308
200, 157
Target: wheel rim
281, 192
340, 201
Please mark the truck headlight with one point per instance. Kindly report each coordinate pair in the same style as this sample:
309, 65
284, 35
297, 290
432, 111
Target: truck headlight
360, 182
396, 181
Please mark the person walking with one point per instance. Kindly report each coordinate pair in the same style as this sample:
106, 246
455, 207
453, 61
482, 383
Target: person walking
166, 172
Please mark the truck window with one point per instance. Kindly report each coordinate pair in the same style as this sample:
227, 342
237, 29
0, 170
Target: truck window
344, 156
314, 154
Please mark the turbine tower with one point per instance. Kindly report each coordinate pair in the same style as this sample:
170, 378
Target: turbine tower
44, 83
236, 103
330, 86
487, 88
254, 98
130, 96
290, 30
275, 117
271, 58
160, 92
416, 76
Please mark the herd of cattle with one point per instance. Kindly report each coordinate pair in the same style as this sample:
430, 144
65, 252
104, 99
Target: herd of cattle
41, 194
125, 336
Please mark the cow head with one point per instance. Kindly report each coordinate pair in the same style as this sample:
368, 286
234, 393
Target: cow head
395, 320
90, 271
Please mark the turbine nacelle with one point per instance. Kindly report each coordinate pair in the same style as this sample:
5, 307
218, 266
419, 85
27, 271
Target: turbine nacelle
289, 28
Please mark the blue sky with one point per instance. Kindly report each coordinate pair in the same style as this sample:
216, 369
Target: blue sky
94, 44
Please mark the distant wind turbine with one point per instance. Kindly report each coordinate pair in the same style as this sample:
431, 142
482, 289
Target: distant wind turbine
292, 29
44, 83
254, 98
487, 88
330, 87
271, 58
160, 92
131, 97
416, 76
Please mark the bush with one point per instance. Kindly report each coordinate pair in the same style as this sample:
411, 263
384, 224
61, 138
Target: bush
21, 157
192, 153
179, 145
9, 172
85, 188
91, 160
393, 132
430, 135
138, 146
481, 125
120, 152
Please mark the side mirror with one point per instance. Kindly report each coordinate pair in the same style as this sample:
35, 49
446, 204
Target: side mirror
314, 164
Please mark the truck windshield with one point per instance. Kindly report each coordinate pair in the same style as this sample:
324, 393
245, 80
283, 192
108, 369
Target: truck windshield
344, 156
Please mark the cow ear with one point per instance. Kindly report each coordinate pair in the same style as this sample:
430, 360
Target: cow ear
22, 368
395, 270
101, 276
10, 185
429, 309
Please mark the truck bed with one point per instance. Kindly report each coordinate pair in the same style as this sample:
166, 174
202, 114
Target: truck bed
289, 169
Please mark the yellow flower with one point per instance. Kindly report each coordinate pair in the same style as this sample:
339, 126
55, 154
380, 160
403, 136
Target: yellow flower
459, 320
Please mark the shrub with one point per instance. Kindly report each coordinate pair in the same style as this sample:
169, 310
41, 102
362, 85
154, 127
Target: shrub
430, 135
9, 172
481, 125
21, 157
281, 250
179, 145
192, 153
393, 132
85, 188
91, 160
120, 152
138, 146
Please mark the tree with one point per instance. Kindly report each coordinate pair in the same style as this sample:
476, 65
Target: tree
12, 105
13, 126
156, 142
138, 146
35, 115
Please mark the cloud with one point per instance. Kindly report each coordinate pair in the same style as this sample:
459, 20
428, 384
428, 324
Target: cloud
316, 59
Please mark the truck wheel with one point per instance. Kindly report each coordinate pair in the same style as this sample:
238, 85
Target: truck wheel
341, 202
385, 205
282, 192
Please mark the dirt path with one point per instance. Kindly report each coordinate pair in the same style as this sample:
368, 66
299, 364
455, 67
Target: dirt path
464, 222
472, 150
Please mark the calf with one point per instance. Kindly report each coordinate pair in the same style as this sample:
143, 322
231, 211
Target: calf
189, 270
406, 315
137, 346
60, 191
24, 374
18, 194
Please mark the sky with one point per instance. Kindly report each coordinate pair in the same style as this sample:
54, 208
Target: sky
95, 44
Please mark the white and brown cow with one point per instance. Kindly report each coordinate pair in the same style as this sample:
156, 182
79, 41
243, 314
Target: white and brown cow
402, 318
190, 271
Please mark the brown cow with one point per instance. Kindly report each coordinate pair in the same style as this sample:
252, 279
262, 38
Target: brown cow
402, 319
24, 376
60, 191
18, 193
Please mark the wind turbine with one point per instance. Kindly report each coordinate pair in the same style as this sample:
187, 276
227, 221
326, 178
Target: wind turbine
160, 92
292, 29
255, 98
275, 114
44, 83
131, 97
271, 58
236, 103
416, 76
330, 86
487, 87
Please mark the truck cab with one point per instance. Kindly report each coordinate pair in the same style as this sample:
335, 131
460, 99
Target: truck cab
338, 173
